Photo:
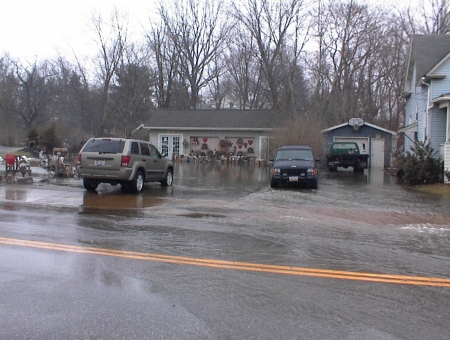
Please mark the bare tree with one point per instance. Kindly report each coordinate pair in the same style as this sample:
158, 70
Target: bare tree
131, 91
245, 72
198, 35
166, 65
8, 86
82, 93
436, 17
350, 37
112, 41
34, 93
426, 17
273, 24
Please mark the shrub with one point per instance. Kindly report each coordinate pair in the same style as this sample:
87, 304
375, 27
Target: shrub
299, 131
50, 138
420, 165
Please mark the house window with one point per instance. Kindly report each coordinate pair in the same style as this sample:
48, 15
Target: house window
416, 138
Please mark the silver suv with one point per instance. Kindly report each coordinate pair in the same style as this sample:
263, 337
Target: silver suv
128, 162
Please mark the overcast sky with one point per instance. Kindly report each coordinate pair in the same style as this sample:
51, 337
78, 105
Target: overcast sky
33, 30
37, 29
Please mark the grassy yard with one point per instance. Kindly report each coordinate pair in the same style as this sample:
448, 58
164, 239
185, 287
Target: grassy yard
438, 188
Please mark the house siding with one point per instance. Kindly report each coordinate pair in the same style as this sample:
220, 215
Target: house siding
421, 100
213, 138
429, 58
447, 160
438, 125
415, 111
441, 86
409, 141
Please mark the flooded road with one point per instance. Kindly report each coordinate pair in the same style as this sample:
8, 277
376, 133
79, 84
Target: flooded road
222, 255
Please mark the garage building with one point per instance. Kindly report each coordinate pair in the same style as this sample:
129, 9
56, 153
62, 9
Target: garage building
374, 140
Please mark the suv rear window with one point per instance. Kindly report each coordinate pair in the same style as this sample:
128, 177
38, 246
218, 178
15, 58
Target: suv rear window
294, 154
344, 146
104, 146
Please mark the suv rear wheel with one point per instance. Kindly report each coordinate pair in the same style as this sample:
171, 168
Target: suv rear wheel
90, 184
137, 184
168, 180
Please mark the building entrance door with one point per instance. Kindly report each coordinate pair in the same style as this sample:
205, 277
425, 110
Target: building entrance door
170, 144
377, 153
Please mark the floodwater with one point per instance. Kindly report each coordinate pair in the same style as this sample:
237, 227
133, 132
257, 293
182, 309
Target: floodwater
223, 213
372, 197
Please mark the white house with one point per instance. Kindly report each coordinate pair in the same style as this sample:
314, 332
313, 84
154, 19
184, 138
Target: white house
427, 94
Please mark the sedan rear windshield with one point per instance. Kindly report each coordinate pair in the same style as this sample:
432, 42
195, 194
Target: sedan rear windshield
104, 146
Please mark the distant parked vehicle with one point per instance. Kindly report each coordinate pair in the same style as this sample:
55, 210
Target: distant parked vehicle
346, 154
128, 162
294, 164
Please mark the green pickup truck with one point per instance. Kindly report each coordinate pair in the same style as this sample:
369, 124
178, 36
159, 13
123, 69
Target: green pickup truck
345, 154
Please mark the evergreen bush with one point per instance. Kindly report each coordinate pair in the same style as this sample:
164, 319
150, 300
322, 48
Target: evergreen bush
421, 166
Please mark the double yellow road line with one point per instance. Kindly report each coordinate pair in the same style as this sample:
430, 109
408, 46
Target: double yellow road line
254, 267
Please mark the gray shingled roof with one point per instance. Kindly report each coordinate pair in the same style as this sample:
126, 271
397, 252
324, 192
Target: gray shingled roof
427, 51
215, 119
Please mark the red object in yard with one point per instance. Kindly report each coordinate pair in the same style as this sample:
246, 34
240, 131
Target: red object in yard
10, 159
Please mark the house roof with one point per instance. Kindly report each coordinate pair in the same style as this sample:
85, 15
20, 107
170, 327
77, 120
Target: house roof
425, 53
260, 120
367, 124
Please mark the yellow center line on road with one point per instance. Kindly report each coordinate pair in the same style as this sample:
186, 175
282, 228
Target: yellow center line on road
255, 267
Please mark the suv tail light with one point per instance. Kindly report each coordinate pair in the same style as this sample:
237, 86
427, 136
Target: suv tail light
79, 159
125, 161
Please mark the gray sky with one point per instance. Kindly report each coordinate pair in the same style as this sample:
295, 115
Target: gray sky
37, 29
40, 29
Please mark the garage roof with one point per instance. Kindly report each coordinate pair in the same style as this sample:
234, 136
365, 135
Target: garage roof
261, 120
367, 124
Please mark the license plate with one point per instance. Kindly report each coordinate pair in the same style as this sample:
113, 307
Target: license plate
293, 179
99, 162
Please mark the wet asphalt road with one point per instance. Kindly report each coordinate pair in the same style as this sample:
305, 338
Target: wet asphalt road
221, 255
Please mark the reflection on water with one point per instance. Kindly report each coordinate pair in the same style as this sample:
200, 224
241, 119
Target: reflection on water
116, 203
13, 194
220, 179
